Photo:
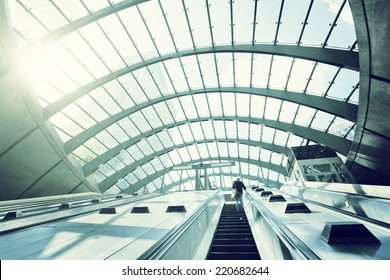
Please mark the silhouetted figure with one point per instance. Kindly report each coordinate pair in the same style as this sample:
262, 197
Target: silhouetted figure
238, 187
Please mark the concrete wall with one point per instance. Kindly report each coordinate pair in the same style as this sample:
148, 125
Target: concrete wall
369, 157
32, 158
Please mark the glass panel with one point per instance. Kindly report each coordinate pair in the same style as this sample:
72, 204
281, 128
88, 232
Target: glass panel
138, 32
340, 127
257, 106
321, 79
273, 108
177, 109
107, 139
161, 77
197, 14
267, 134
152, 117
294, 13
242, 101
225, 68
129, 127
177, 23
155, 21
46, 13
243, 130
207, 64
177, 75
184, 155
255, 132
45, 91
231, 129
186, 133
208, 129
146, 82
190, 109
75, 43
176, 136
232, 148
281, 137
163, 112
193, 151
220, 21
140, 121
197, 131
322, 120
267, 17
288, 111
343, 35
201, 105
243, 25
299, 75
72, 9
317, 30
215, 104
95, 5
102, 97
191, 69
165, 160
73, 69
148, 168
125, 157
96, 38
228, 104
280, 69
119, 38
135, 152
344, 84
96, 146
220, 129
304, 116
119, 94
242, 68
92, 107
261, 65
213, 149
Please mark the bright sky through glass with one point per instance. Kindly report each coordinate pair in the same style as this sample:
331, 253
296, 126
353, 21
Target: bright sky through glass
184, 109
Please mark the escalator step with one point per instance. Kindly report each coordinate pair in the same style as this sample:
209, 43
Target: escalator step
234, 248
233, 256
233, 239
233, 230
229, 241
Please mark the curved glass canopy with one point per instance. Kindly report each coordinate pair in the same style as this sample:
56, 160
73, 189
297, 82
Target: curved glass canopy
137, 88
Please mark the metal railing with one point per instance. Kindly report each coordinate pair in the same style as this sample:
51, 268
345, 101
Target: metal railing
159, 249
297, 248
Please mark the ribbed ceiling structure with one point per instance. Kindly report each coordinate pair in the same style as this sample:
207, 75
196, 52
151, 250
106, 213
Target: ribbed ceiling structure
136, 88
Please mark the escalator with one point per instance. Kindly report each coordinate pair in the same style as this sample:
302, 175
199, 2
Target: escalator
233, 239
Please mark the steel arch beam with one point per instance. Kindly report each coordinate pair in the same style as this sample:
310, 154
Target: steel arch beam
246, 176
91, 166
334, 142
136, 186
83, 21
111, 180
78, 140
340, 58
332, 106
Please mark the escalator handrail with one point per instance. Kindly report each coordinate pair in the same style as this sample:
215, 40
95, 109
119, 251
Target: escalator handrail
297, 248
159, 249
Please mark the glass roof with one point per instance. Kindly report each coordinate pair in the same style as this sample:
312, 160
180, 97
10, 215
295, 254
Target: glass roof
135, 88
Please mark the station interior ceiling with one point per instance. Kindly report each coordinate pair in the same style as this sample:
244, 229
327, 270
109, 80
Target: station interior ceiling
112, 97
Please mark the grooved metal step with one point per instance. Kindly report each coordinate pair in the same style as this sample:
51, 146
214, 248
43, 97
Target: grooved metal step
233, 239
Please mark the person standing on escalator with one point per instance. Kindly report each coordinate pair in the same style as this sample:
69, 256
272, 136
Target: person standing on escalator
238, 188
